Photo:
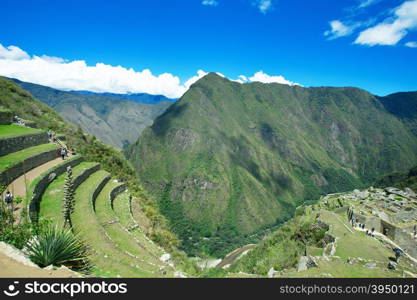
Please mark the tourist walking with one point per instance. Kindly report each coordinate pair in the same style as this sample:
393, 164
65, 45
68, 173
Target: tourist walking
63, 153
398, 252
8, 199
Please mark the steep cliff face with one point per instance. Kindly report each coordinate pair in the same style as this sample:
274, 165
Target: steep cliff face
228, 159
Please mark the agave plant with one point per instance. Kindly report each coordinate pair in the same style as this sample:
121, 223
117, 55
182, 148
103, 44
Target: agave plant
57, 246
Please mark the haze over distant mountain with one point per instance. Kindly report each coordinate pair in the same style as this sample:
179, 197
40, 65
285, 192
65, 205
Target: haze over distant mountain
136, 97
116, 120
230, 159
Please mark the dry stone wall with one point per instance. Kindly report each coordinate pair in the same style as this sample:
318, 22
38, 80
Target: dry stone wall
28, 164
45, 180
116, 192
14, 144
98, 189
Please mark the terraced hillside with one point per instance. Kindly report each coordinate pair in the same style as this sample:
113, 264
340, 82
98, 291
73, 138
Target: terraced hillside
117, 245
112, 215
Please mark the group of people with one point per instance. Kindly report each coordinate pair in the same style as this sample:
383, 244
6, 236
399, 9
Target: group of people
355, 223
371, 232
19, 121
63, 153
52, 136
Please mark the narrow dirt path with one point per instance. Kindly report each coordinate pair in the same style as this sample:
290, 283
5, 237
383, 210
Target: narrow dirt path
20, 185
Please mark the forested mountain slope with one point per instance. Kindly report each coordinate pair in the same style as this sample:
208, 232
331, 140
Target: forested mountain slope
228, 160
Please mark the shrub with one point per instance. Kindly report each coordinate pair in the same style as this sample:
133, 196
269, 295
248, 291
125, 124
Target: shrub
18, 200
15, 234
57, 246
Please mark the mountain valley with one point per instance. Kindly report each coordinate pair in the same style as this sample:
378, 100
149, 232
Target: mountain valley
229, 160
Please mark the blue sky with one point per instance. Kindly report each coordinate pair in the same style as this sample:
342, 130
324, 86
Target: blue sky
370, 44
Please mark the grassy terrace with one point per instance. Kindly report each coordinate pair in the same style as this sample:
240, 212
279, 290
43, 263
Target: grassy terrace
339, 268
13, 158
121, 207
107, 259
52, 199
13, 130
123, 239
34, 182
349, 240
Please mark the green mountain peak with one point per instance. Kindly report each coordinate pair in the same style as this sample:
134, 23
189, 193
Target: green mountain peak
229, 160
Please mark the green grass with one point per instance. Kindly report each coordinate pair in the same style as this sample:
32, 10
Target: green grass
13, 158
121, 207
33, 184
107, 258
13, 130
314, 251
52, 199
124, 240
340, 269
347, 243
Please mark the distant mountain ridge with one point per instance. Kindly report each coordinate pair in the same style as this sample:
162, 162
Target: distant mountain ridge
136, 97
230, 159
116, 121
403, 106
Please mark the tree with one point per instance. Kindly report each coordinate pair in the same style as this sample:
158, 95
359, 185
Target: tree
68, 198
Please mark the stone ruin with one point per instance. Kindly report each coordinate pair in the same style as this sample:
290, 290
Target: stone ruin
390, 211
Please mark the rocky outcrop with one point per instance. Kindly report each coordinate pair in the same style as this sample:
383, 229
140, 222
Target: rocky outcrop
271, 273
306, 262
15, 254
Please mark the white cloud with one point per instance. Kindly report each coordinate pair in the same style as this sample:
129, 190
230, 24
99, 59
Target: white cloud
194, 79
411, 44
263, 5
392, 30
210, 2
77, 75
62, 74
12, 53
243, 78
366, 3
338, 29
265, 78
